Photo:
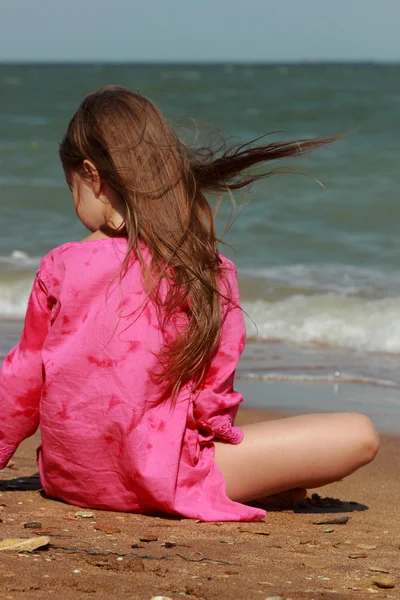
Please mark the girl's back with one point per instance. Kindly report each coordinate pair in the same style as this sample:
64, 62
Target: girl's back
107, 440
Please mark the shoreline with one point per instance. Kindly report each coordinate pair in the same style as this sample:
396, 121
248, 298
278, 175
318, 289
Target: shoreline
286, 555
294, 398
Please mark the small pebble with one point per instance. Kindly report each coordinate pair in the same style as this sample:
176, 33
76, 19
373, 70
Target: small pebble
329, 530
366, 546
227, 542
84, 514
338, 521
161, 598
149, 538
358, 555
254, 531
384, 582
76, 571
109, 529
275, 598
378, 570
33, 525
44, 531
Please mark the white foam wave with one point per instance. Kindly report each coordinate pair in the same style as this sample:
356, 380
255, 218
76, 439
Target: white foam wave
368, 324
350, 322
17, 272
343, 280
18, 260
14, 297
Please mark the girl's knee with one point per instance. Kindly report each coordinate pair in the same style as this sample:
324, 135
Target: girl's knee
364, 431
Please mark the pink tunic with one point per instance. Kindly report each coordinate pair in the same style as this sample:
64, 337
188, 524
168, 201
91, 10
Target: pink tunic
82, 372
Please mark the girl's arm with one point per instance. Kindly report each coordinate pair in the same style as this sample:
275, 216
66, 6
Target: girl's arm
21, 376
217, 403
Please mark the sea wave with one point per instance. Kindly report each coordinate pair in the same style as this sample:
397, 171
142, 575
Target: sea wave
337, 321
14, 297
18, 260
17, 272
343, 280
310, 308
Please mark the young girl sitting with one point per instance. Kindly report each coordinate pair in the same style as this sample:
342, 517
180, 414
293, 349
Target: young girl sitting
132, 337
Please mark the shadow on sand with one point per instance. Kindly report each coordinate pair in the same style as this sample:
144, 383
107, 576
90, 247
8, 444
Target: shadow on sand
312, 505
21, 484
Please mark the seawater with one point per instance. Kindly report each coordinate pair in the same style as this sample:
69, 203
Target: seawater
318, 252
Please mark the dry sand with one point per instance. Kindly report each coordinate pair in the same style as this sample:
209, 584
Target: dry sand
288, 555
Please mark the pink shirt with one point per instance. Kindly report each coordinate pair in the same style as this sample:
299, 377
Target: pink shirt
82, 372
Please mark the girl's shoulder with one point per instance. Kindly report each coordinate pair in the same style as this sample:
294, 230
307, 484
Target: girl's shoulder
73, 253
88, 244
227, 265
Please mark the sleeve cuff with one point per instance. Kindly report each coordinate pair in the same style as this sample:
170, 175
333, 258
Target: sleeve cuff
224, 431
6, 453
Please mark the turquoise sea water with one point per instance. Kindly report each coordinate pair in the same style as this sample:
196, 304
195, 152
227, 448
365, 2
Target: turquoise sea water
319, 266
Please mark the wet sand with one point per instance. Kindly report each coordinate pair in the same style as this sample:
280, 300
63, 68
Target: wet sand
287, 555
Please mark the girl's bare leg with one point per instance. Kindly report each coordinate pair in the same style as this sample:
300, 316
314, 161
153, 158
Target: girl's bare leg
296, 452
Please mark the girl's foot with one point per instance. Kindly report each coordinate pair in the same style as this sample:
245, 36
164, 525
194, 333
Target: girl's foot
284, 500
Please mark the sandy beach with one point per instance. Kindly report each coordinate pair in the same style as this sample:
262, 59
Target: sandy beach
294, 554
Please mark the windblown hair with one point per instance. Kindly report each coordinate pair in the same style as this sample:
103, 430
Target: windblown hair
162, 182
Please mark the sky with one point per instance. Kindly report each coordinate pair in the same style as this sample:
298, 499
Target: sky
199, 30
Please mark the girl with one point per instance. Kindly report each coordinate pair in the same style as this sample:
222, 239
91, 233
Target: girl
132, 337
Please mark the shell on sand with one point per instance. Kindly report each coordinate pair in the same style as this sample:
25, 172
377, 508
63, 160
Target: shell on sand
23, 544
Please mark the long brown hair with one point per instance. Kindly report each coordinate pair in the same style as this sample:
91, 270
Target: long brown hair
162, 183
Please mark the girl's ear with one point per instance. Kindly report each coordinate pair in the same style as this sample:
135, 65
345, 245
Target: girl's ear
92, 174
